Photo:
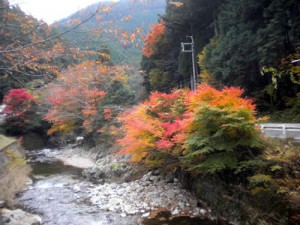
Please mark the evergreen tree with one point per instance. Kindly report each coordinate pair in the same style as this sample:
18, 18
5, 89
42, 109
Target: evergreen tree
253, 34
194, 18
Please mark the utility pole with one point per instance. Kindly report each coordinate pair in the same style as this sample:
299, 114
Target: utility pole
189, 47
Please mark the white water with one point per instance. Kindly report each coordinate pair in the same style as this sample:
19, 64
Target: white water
54, 197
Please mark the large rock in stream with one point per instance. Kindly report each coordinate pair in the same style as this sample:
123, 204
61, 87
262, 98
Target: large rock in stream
94, 174
111, 169
18, 217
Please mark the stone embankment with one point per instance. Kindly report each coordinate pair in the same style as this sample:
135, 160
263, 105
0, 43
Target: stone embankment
13, 178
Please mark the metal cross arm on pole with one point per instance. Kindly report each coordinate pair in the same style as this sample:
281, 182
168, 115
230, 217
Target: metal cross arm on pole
186, 47
189, 47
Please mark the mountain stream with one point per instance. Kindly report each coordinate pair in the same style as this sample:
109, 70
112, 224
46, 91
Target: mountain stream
60, 196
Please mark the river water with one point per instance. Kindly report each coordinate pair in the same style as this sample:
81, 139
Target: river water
61, 197
53, 194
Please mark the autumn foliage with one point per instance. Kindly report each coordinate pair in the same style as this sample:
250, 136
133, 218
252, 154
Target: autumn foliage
74, 98
17, 102
190, 129
154, 126
19, 110
79, 101
151, 40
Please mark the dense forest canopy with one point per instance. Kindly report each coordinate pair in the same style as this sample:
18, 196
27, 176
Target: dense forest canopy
249, 44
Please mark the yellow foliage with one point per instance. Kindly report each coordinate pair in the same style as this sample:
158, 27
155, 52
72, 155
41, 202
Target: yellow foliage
205, 75
176, 4
14, 159
64, 128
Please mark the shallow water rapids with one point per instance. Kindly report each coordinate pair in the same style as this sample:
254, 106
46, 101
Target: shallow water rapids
52, 194
60, 196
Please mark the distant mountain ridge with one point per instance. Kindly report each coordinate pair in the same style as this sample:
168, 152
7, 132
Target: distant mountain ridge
121, 30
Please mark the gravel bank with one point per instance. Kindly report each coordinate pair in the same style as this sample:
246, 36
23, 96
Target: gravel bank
141, 197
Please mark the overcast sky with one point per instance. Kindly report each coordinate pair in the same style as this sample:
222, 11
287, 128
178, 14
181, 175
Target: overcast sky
52, 10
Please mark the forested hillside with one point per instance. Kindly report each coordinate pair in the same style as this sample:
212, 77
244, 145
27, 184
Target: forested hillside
31, 55
249, 44
19, 66
122, 30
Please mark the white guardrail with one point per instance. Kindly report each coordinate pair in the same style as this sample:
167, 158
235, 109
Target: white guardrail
281, 130
2, 116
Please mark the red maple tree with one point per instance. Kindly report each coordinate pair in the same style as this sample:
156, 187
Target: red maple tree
151, 40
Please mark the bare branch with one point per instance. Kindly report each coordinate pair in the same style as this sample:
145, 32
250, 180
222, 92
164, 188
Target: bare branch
23, 73
22, 84
23, 35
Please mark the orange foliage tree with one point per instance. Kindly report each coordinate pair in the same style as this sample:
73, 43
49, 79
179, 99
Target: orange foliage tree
155, 129
206, 130
78, 99
223, 132
151, 40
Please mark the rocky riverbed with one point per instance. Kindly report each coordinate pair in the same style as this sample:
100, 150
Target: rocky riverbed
153, 191
60, 195
140, 197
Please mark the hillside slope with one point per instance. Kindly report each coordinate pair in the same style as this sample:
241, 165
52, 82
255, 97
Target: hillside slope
121, 30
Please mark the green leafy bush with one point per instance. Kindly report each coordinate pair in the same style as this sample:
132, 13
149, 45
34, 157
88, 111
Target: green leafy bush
222, 133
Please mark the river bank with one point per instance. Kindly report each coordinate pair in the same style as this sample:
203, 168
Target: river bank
153, 191
59, 195
104, 189
14, 178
